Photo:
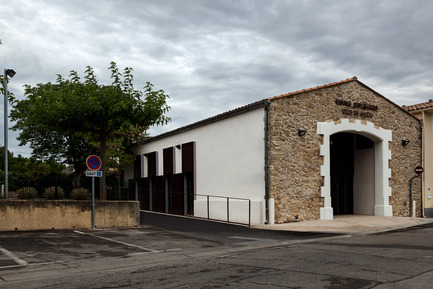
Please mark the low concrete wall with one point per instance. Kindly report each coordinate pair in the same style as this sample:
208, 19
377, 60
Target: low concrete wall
66, 214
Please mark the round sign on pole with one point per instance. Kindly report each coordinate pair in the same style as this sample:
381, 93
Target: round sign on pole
419, 170
93, 163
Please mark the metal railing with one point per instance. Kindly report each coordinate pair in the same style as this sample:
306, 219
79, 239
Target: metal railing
228, 218
228, 207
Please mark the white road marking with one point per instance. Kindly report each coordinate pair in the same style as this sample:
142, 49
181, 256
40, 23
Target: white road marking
31, 264
248, 238
119, 242
11, 255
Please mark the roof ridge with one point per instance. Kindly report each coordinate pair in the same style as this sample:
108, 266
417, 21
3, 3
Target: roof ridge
207, 120
313, 88
418, 106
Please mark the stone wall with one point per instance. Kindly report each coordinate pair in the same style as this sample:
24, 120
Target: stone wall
294, 162
65, 214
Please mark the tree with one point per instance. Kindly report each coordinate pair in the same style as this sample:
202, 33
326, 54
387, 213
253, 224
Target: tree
24, 172
118, 157
72, 149
72, 109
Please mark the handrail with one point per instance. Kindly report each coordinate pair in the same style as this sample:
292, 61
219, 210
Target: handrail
221, 197
228, 206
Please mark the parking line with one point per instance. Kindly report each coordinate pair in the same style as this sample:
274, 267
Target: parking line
13, 257
119, 242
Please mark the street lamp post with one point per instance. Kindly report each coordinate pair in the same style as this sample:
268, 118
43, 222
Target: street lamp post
10, 73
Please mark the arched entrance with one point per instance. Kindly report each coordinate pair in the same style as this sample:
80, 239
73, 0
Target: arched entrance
352, 174
372, 154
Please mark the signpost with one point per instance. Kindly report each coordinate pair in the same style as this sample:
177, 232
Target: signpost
418, 171
94, 163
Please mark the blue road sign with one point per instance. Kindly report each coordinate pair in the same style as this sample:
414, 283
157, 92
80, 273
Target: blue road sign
94, 163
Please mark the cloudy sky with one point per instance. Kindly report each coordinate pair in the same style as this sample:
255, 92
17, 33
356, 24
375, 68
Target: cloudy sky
211, 56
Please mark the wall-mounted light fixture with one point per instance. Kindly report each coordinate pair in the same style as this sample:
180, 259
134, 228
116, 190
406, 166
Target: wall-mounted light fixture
178, 146
405, 142
302, 132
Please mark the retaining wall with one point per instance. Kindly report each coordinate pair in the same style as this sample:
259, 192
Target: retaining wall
66, 214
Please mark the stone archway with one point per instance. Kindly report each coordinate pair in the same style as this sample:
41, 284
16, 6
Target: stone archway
381, 138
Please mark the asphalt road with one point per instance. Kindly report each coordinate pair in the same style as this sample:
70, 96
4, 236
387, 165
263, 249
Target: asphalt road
221, 232
175, 253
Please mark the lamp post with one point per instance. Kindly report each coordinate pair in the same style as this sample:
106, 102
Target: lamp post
10, 73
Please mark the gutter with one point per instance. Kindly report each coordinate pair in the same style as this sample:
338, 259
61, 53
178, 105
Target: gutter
266, 163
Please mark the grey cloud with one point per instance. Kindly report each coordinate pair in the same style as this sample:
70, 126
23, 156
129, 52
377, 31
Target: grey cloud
212, 56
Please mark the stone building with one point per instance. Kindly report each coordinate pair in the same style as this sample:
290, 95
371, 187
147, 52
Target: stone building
340, 148
424, 112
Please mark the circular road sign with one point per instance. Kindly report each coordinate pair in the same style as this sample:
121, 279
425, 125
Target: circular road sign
93, 163
419, 170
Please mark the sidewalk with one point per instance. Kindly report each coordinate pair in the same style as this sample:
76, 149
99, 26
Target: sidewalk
350, 224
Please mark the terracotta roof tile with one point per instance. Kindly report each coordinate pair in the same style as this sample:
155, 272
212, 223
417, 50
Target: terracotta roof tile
419, 106
314, 88
261, 103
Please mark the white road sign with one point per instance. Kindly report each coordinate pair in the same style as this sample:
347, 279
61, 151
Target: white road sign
97, 174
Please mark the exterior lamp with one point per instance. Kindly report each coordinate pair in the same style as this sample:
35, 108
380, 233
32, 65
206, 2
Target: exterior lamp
302, 132
10, 73
178, 146
405, 142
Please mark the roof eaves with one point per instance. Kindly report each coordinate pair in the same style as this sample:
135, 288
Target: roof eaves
419, 106
388, 100
212, 119
335, 84
313, 88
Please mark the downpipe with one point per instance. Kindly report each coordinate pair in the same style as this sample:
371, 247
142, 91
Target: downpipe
410, 195
266, 164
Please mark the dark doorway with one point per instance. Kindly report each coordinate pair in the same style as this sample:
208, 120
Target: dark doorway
343, 162
342, 170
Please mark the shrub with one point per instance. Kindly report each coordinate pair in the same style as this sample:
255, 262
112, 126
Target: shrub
81, 194
27, 193
50, 193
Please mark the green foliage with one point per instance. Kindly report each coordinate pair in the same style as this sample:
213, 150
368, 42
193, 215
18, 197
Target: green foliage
119, 156
81, 194
50, 193
76, 108
10, 95
28, 171
27, 193
63, 119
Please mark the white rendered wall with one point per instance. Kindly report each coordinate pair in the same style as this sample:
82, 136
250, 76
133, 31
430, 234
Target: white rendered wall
364, 182
229, 162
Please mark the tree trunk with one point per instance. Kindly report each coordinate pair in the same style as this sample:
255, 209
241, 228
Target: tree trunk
77, 179
103, 156
118, 185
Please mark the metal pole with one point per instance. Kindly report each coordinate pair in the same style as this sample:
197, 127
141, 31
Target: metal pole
249, 213
93, 202
6, 133
410, 195
207, 207
228, 210
136, 190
